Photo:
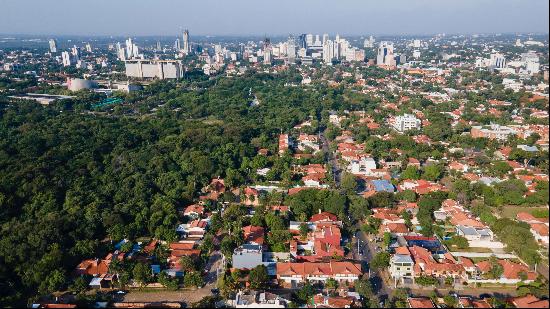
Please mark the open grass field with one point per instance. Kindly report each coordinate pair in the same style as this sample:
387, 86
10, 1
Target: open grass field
511, 211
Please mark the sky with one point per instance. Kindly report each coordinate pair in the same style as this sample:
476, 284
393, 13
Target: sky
275, 17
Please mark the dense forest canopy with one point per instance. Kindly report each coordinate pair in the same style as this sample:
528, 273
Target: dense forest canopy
70, 179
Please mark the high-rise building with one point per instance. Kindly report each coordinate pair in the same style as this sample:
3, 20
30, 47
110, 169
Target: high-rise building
328, 51
417, 43
267, 51
317, 41
325, 38
291, 50
129, 48
88, 47
497, 61
369, 43
309, 40
53, 46
385, 54
159, 47
75, 52
177, 44
66, 58
120, 51
186, 44
302, 43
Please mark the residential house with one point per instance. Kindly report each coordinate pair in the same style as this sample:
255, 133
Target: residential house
255, 299
194, 211
420, 302
529, 301
253, 235
324, 301
512, 272
294, 274
401, 265
247, 256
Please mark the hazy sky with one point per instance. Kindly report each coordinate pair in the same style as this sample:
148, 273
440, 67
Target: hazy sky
234, 17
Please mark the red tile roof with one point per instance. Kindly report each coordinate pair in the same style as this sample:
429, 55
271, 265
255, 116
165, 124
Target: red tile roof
529, 301
420, 302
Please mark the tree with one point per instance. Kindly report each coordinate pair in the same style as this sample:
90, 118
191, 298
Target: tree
54, 282
305, 293
426, 280
380, 260
358, 207
459, 241
304, 229
188, 263
364, 288
500, 168
258, 277
167, 282
372, 226
496, 270
406, 195
331, 284
411, 172
433, 172
348, 183
142, 273
450, 301
193, 279
79, 285
386, 239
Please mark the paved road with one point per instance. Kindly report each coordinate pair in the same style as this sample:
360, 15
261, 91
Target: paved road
368, 248
332, 160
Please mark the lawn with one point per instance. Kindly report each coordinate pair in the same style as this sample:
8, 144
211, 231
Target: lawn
511, 211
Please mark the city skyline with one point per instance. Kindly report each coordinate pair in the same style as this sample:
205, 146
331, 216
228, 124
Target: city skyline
246, 18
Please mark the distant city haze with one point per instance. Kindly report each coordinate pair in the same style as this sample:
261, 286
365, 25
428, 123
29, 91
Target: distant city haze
281, 17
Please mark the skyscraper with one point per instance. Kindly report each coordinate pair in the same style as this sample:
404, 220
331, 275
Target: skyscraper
75, 51
328, 51
385, 54
186, 45
177, 44
369, 43
120, 51
302, 43
497, 61
66, 58
291, 50
309, 40
267, 51
325, 38
53, 46
129, 48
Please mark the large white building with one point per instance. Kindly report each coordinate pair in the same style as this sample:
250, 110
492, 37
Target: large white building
497, 60
53, 46
66, 59
385, 54
405, 123
161, 69
328, 51
186, 44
